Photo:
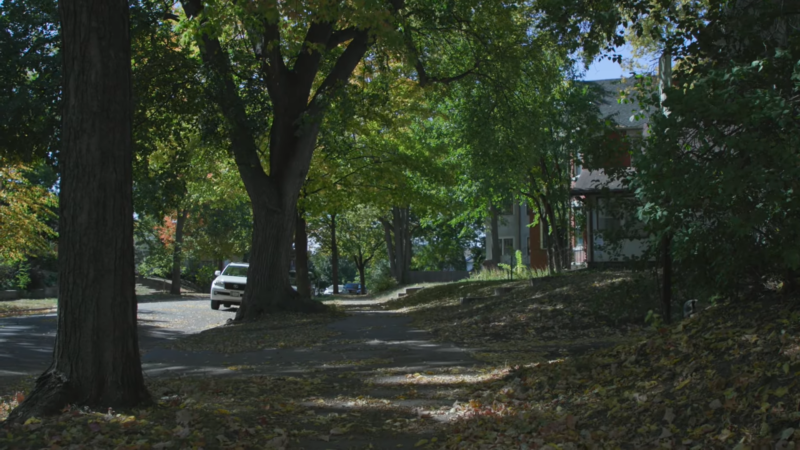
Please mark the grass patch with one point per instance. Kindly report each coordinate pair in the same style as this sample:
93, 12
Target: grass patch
536, 321
521, 273
27, 307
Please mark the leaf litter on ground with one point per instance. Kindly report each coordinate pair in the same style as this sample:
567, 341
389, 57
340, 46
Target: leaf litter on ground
569, 365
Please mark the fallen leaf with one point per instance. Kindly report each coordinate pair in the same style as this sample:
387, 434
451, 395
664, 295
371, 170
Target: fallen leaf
183, 417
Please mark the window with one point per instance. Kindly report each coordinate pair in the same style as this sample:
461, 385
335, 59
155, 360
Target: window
607, 218
612, 216
507, 246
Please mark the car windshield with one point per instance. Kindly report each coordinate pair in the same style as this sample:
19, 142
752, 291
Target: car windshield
235, 271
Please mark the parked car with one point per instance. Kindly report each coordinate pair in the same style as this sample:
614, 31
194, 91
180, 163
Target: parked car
228, 288
329, 290
352, 288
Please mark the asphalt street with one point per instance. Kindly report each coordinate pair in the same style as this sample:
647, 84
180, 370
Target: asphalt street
26, 342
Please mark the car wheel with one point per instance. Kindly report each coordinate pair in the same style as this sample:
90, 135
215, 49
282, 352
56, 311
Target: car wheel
214, 304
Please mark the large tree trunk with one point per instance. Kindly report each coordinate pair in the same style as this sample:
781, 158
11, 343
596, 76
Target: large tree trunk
402, 244
269, 289
96, 356
544, 223
554, 240
666, 287
301, 257
361, 266
176, 253
494, 230
334, 255
387, 236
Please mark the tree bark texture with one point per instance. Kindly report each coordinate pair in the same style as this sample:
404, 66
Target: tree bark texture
334, 255
96, 356
544, 222
402, 244
554, 240
387, 236
268, 285
361, 265
666, 286
175, 289
301, 257
494, 230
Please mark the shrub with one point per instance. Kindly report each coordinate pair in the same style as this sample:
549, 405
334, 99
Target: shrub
502, 273
380, 278
15, 275
204, 276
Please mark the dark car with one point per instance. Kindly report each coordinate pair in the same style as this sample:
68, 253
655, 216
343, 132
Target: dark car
352, 288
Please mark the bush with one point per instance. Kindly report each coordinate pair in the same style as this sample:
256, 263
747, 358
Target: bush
15, 276
380, 278
204, 276
502, 273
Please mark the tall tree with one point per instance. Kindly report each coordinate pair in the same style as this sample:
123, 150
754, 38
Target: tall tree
360, 237
520, 136
297, 49
96, 357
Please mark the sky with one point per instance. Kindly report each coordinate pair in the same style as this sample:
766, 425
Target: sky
606, 69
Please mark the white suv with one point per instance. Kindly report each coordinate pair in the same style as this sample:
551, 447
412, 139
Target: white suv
228, 288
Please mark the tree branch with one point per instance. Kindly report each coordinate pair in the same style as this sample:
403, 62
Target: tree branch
307, 64
267, 49
225, 95
341, 36
344, 66
422, 74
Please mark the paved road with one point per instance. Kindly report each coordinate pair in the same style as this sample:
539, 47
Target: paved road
26, 343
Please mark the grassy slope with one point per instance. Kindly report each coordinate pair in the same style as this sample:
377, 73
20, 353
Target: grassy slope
557, 316
726, 378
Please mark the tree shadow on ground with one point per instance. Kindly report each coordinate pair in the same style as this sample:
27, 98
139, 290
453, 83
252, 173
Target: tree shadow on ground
167, 297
